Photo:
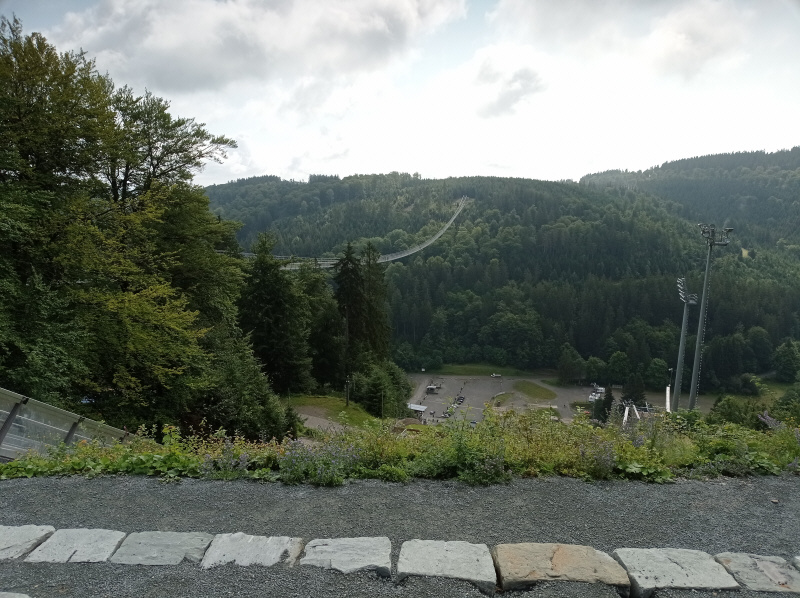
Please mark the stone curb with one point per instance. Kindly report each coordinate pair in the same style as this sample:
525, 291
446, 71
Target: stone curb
510, 566
349, 555
17, 541
78, 546
162, 548
457, 560
761, 573
522, 565
672, 568
245, 550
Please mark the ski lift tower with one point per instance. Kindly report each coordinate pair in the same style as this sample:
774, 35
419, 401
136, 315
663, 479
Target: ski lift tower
709, 233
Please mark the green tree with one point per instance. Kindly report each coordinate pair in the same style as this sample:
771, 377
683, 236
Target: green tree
761, 345
656, 376
150, 145
113, 300
571, 366
634, 390
376, 317
596, 370
602, 407
326, 327
786, 360
788, 406
349, 293
619, 368
275, 313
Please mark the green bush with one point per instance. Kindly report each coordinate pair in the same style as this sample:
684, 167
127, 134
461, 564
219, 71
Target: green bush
532, 443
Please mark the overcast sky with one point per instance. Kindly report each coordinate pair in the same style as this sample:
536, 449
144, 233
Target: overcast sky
545, 89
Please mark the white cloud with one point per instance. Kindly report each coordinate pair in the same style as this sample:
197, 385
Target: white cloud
674, 36
530, 88
186, 45
696, 35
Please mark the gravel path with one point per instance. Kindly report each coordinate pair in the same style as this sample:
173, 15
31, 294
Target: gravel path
725, 515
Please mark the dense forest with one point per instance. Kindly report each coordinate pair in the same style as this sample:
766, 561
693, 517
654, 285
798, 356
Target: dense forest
579, 276
125, 295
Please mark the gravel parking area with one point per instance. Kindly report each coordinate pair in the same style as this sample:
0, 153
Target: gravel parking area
758, 515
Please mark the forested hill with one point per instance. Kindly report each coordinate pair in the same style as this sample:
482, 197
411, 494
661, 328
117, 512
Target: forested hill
532, 265
756, 193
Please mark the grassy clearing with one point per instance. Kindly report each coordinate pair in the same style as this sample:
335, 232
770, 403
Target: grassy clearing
478, 369
534, 391
333, 408
502, 398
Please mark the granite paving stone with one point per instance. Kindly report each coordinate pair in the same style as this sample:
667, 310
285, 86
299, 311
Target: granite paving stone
522, 565
17, 541
656, 568
77, 546
457, 560
350, 554
162, 548
761, 573
246, 550
13, 595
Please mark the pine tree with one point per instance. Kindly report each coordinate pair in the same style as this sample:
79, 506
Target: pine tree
634, 390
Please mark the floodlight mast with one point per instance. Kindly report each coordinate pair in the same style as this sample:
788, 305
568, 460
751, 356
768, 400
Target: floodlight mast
709, 232
688, 299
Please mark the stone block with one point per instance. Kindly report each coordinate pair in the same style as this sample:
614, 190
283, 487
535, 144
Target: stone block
13, 595
246, 550
521, 565
761, 573
653, 568
350, 554
77, 546
17, 541
162, 548
457, 560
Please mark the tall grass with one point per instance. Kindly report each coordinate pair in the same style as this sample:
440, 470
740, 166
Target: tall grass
501, 446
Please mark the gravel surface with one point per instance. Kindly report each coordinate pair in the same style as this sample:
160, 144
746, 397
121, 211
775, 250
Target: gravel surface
737, 515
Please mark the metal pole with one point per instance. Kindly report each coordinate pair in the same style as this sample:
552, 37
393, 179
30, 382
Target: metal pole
687, 301
701, 324
12, 415
73, 429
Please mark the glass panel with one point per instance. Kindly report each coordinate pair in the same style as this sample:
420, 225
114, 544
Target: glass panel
91, 430
41, 425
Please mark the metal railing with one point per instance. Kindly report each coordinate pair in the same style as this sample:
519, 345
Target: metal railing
30, 425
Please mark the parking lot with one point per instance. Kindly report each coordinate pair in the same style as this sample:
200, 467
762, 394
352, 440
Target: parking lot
477, 392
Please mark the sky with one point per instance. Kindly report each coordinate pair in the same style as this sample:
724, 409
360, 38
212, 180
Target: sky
539, 89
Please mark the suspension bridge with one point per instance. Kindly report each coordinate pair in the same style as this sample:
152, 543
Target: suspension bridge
294, 262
